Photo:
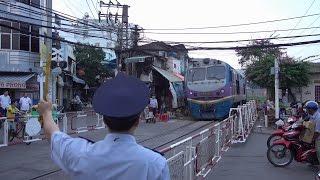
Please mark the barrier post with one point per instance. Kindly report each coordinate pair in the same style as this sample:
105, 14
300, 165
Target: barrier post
65, 123
5, 132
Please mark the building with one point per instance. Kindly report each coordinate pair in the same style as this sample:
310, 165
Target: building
161, 66
312, 91
19, 51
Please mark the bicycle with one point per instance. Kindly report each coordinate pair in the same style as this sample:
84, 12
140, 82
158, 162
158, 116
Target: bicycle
19, 131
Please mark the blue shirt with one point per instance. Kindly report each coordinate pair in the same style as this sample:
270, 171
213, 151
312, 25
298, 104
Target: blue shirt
118, 156
316, 119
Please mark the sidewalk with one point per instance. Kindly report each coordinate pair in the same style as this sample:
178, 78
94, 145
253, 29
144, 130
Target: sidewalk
248, 161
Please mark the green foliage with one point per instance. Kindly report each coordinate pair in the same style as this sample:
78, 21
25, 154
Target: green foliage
89, 59
258, 62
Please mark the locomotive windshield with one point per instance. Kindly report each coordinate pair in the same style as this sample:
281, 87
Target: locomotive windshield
196, 74
216, 72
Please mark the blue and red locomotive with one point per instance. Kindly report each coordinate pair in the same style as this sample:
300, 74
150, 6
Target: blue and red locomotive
212, 88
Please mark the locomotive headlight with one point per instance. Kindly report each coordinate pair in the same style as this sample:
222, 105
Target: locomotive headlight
222, 91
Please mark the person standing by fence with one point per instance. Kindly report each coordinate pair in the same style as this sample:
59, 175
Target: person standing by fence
25, 103
5, 102
120, 101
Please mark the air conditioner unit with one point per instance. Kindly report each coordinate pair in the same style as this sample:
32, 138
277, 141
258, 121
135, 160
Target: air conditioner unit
4, 58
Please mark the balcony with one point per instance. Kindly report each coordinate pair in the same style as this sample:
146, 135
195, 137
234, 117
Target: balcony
21, 12
19, 61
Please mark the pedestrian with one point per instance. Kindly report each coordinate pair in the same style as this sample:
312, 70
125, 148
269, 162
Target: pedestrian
153, 104
117, 156
25, 103
5, 102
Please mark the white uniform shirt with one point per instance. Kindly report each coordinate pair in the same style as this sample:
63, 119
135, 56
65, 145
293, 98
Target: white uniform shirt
153, 103
25, 103
118, 156
5, 101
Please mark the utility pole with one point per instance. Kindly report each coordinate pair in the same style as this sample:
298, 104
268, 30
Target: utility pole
124, 23
276, 88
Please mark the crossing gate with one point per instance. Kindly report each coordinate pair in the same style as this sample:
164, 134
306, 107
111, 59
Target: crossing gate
195, 156
83, 121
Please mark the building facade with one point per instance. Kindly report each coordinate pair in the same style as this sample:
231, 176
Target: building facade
19, 50
312, 91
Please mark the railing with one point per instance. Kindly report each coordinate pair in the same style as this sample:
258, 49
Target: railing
195, 156
70, 123
191, 158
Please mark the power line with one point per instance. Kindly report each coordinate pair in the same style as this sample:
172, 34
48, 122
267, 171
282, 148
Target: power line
90, 9
189, 49
51, 13
239, 32
232, 41
72, 31
52, 38
94, 6
234, 25
302, 17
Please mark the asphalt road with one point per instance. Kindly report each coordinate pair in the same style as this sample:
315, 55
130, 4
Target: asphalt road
248, 161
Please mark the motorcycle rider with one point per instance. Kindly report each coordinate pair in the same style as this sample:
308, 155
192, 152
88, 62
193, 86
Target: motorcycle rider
312, 109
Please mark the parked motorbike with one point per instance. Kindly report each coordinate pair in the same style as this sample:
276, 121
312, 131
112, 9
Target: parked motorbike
277, 134
283, 151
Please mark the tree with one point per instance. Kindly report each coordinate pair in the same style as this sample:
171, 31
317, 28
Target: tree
89, 59
259, 60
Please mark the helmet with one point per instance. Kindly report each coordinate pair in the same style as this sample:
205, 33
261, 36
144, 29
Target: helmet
311, 105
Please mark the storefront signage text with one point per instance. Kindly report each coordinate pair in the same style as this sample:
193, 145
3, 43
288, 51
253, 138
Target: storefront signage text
13, 85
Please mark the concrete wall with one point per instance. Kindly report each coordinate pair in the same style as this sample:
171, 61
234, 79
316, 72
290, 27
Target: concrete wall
308, 93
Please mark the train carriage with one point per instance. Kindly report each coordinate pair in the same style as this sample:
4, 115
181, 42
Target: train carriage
212, 88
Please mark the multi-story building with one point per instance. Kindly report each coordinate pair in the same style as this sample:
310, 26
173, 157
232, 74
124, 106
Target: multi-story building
19, 50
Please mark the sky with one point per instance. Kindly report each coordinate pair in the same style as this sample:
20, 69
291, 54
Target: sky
155, 14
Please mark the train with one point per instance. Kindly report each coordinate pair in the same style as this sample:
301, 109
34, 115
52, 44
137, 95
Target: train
212, 88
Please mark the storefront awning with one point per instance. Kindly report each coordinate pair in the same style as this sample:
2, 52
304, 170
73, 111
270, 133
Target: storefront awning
168, 75
14, 81
136, 59
78, 80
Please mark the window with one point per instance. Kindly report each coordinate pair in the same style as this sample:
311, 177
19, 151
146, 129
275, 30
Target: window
16, 36
24, 37
5, 41
35, 39
35, 3
5, 35
25, 1
317, 93
196, 74
216, 72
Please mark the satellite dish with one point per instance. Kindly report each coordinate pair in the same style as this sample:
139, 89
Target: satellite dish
33, 127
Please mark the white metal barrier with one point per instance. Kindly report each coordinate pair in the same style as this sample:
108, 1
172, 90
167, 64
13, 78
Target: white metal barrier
4, 131
201, 152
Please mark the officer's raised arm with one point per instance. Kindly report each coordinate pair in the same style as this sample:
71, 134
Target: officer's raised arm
49, 126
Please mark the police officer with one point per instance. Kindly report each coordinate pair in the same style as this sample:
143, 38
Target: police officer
118, 156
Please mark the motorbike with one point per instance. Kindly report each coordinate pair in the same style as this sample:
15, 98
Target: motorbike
283, 151
278, 133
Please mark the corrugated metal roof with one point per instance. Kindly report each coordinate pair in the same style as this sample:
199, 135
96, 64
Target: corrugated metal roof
16, 78
168, 75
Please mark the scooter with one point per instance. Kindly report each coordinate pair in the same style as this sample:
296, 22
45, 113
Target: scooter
283, 151
278, 133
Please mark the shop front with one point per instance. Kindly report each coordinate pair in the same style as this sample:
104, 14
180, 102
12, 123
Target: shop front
168, 89
19, 84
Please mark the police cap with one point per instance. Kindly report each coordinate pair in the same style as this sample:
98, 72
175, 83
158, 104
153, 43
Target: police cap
122, 96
